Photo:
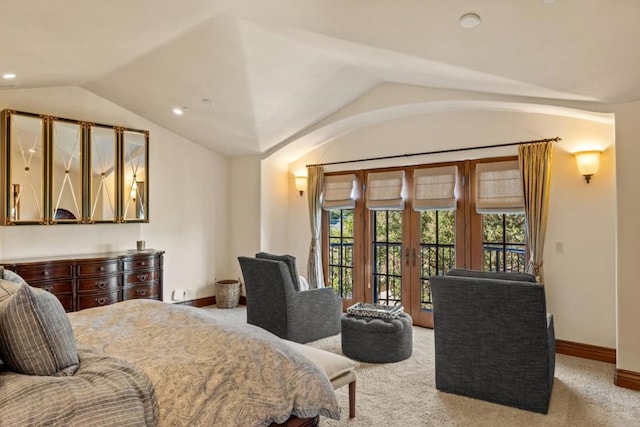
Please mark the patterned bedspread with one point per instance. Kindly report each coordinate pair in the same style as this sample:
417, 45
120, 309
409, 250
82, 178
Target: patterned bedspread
205, 373
104, 391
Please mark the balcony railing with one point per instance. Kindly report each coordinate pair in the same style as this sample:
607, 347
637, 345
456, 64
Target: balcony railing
505, 258
435, 259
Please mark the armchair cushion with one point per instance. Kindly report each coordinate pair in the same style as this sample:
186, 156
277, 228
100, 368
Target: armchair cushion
289, 260
314, 314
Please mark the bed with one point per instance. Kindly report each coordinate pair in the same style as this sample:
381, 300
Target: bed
176, 366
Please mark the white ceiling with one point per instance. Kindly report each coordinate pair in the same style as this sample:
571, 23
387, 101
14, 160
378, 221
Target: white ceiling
273, 68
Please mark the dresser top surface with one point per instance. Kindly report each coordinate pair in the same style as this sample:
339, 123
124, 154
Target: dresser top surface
82, 257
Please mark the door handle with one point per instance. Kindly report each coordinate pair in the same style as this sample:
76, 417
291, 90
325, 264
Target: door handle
406, 256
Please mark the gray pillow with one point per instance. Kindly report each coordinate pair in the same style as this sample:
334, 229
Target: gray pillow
11, 276
7, 289
501, 275
290, 260
36, 337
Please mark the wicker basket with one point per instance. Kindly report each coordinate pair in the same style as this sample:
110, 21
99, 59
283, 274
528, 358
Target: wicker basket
227, 293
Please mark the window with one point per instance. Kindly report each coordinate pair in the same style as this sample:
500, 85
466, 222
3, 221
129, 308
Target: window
386, 232
437, 249
340, 275
503, 242
387, 257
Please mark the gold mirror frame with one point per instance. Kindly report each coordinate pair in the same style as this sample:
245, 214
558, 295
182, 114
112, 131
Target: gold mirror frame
63, 171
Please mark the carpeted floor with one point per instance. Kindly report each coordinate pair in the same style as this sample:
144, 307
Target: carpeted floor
404, 393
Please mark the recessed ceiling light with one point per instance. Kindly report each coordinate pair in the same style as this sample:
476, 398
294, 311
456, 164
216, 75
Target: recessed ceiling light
178, 111
548, 1
207, 102
469, 20
8, 76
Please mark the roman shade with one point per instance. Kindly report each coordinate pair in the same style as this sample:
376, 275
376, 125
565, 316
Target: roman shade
384, 190
434, 188
338, 192
499, 188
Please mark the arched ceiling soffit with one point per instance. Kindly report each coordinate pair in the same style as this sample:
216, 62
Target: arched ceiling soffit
295, 148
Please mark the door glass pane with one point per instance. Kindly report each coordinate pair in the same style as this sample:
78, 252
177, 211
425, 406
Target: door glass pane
66, 173
387, 257
102, 174
134, 176
27, 168
503, 237
341, 252
437, 249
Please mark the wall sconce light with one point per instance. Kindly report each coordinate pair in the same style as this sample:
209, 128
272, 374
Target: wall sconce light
588, 163
301, 184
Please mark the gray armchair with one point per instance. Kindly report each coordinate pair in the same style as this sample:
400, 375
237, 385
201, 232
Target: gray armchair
274, 304
494, 340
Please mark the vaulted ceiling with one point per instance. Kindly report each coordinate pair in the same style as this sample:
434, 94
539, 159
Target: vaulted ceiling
254, 73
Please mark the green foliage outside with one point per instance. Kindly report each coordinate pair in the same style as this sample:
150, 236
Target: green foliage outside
503, 240
503, 237
341, 252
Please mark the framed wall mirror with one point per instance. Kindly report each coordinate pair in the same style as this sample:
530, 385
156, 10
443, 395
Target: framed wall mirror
67, 201
135, 178
24, 152
103, 173
64, 171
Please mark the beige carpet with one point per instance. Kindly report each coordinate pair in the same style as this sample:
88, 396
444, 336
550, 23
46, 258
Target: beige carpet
404, 393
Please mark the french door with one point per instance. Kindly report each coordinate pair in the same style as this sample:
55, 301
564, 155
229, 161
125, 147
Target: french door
386, 256
406, 247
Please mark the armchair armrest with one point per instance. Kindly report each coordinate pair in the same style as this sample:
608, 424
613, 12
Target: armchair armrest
313, 314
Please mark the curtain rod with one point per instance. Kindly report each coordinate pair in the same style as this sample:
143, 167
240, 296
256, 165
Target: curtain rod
452, 150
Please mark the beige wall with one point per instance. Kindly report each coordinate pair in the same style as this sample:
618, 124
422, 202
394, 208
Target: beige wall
580, 281
592, 286
188, 194
628, 234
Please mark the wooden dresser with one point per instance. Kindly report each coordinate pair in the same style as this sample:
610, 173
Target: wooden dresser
92, 280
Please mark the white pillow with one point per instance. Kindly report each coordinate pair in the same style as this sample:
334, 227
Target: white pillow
304, 285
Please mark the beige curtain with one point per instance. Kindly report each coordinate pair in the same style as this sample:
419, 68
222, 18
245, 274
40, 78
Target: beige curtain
535, 167
315, 183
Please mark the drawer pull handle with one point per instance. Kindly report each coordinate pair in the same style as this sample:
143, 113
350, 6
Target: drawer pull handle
141, 292
143, 263
101, 269
45, 273
100, 285
102, 300
142, 277
47, 288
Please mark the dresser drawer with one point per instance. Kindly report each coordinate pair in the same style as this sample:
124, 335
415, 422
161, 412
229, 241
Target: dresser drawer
95, 268
141, 277
138, 262
142, 291
67, 301
62, 289
108, 283
56, 286
97, 300
45, 271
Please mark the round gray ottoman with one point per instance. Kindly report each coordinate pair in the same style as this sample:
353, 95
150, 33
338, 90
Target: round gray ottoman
374, 340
